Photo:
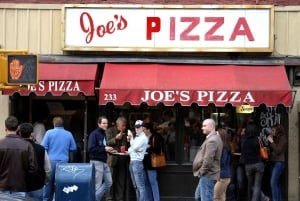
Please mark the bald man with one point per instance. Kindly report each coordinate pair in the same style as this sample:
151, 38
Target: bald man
206, 164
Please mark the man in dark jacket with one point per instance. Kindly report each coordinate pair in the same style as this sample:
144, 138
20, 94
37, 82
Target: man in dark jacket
98, 156
17, 160
37, 180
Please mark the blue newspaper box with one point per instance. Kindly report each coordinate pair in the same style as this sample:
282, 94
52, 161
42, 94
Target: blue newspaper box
75, 182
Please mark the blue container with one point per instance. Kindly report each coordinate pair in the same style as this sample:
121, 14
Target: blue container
75, 182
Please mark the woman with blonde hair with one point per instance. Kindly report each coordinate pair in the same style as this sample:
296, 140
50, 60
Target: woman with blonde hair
225, 174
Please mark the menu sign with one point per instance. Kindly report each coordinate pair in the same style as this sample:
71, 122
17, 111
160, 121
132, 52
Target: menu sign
169, 28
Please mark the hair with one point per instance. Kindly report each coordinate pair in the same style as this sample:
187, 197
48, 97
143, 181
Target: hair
100, 119
252, 129
121, 120
279, 130
225, 138
25, 130
11, 123
168, 113
149, 126
58, 121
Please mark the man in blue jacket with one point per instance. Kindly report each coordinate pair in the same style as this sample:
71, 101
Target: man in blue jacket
59, 144
98, 156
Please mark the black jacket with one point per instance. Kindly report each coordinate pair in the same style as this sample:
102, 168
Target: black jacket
156, 142
17, 159
37, 179
96, 145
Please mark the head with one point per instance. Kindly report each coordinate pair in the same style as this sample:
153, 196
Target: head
208, 126
26, 130
121, 124
11, 124
148, 128
252, 129
167, 115
58, 122
278, 130
139, 126
103, 122
225, 137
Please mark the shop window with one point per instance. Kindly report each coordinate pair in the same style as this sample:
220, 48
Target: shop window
179, 126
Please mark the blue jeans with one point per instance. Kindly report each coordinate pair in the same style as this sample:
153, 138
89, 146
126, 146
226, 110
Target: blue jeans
205, 189
240, 182
152, 185
198, 192
15, 193
103, 179
277, 170
254, 174
136, 169
49, 187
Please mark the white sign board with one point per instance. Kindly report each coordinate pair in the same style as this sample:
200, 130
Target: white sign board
173, 28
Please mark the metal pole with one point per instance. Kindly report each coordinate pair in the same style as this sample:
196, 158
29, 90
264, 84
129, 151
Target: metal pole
85, 131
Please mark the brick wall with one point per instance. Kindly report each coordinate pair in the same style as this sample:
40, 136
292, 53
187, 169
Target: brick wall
181, 2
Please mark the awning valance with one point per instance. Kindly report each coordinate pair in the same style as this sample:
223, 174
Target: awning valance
62, 78
200, 84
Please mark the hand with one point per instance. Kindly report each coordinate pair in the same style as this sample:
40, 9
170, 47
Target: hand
129, 135
109, 149
119, 136
270, 138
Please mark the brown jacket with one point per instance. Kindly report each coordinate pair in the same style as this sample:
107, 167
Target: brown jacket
208, 157
279, 148
17, 159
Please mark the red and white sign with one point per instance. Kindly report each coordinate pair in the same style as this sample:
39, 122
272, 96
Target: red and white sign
200, 84
58, 78
186, 28
57, 88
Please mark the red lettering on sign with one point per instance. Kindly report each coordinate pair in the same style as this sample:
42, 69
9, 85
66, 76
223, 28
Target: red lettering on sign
194, 21
238, 30
88, 27
241, 28
172, 28
209, 36
153, 25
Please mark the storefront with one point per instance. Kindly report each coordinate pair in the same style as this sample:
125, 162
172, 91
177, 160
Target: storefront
183, 62
188, 94
66, 90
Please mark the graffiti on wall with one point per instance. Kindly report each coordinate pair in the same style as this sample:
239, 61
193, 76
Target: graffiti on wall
267, 119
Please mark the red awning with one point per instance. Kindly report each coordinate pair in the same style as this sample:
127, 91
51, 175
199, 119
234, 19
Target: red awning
187, 84
59, 78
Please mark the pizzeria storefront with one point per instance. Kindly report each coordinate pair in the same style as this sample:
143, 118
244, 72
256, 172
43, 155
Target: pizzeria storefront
66, 90
193, 93
174, 86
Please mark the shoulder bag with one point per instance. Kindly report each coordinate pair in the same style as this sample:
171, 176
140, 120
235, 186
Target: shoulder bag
158, 160
263, 152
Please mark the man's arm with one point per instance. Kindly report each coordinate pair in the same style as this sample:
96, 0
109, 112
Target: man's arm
47, 167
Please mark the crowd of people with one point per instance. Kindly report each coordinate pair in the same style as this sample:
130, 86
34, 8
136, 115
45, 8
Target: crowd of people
106, 147
221, 161
122, 159
27, 168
